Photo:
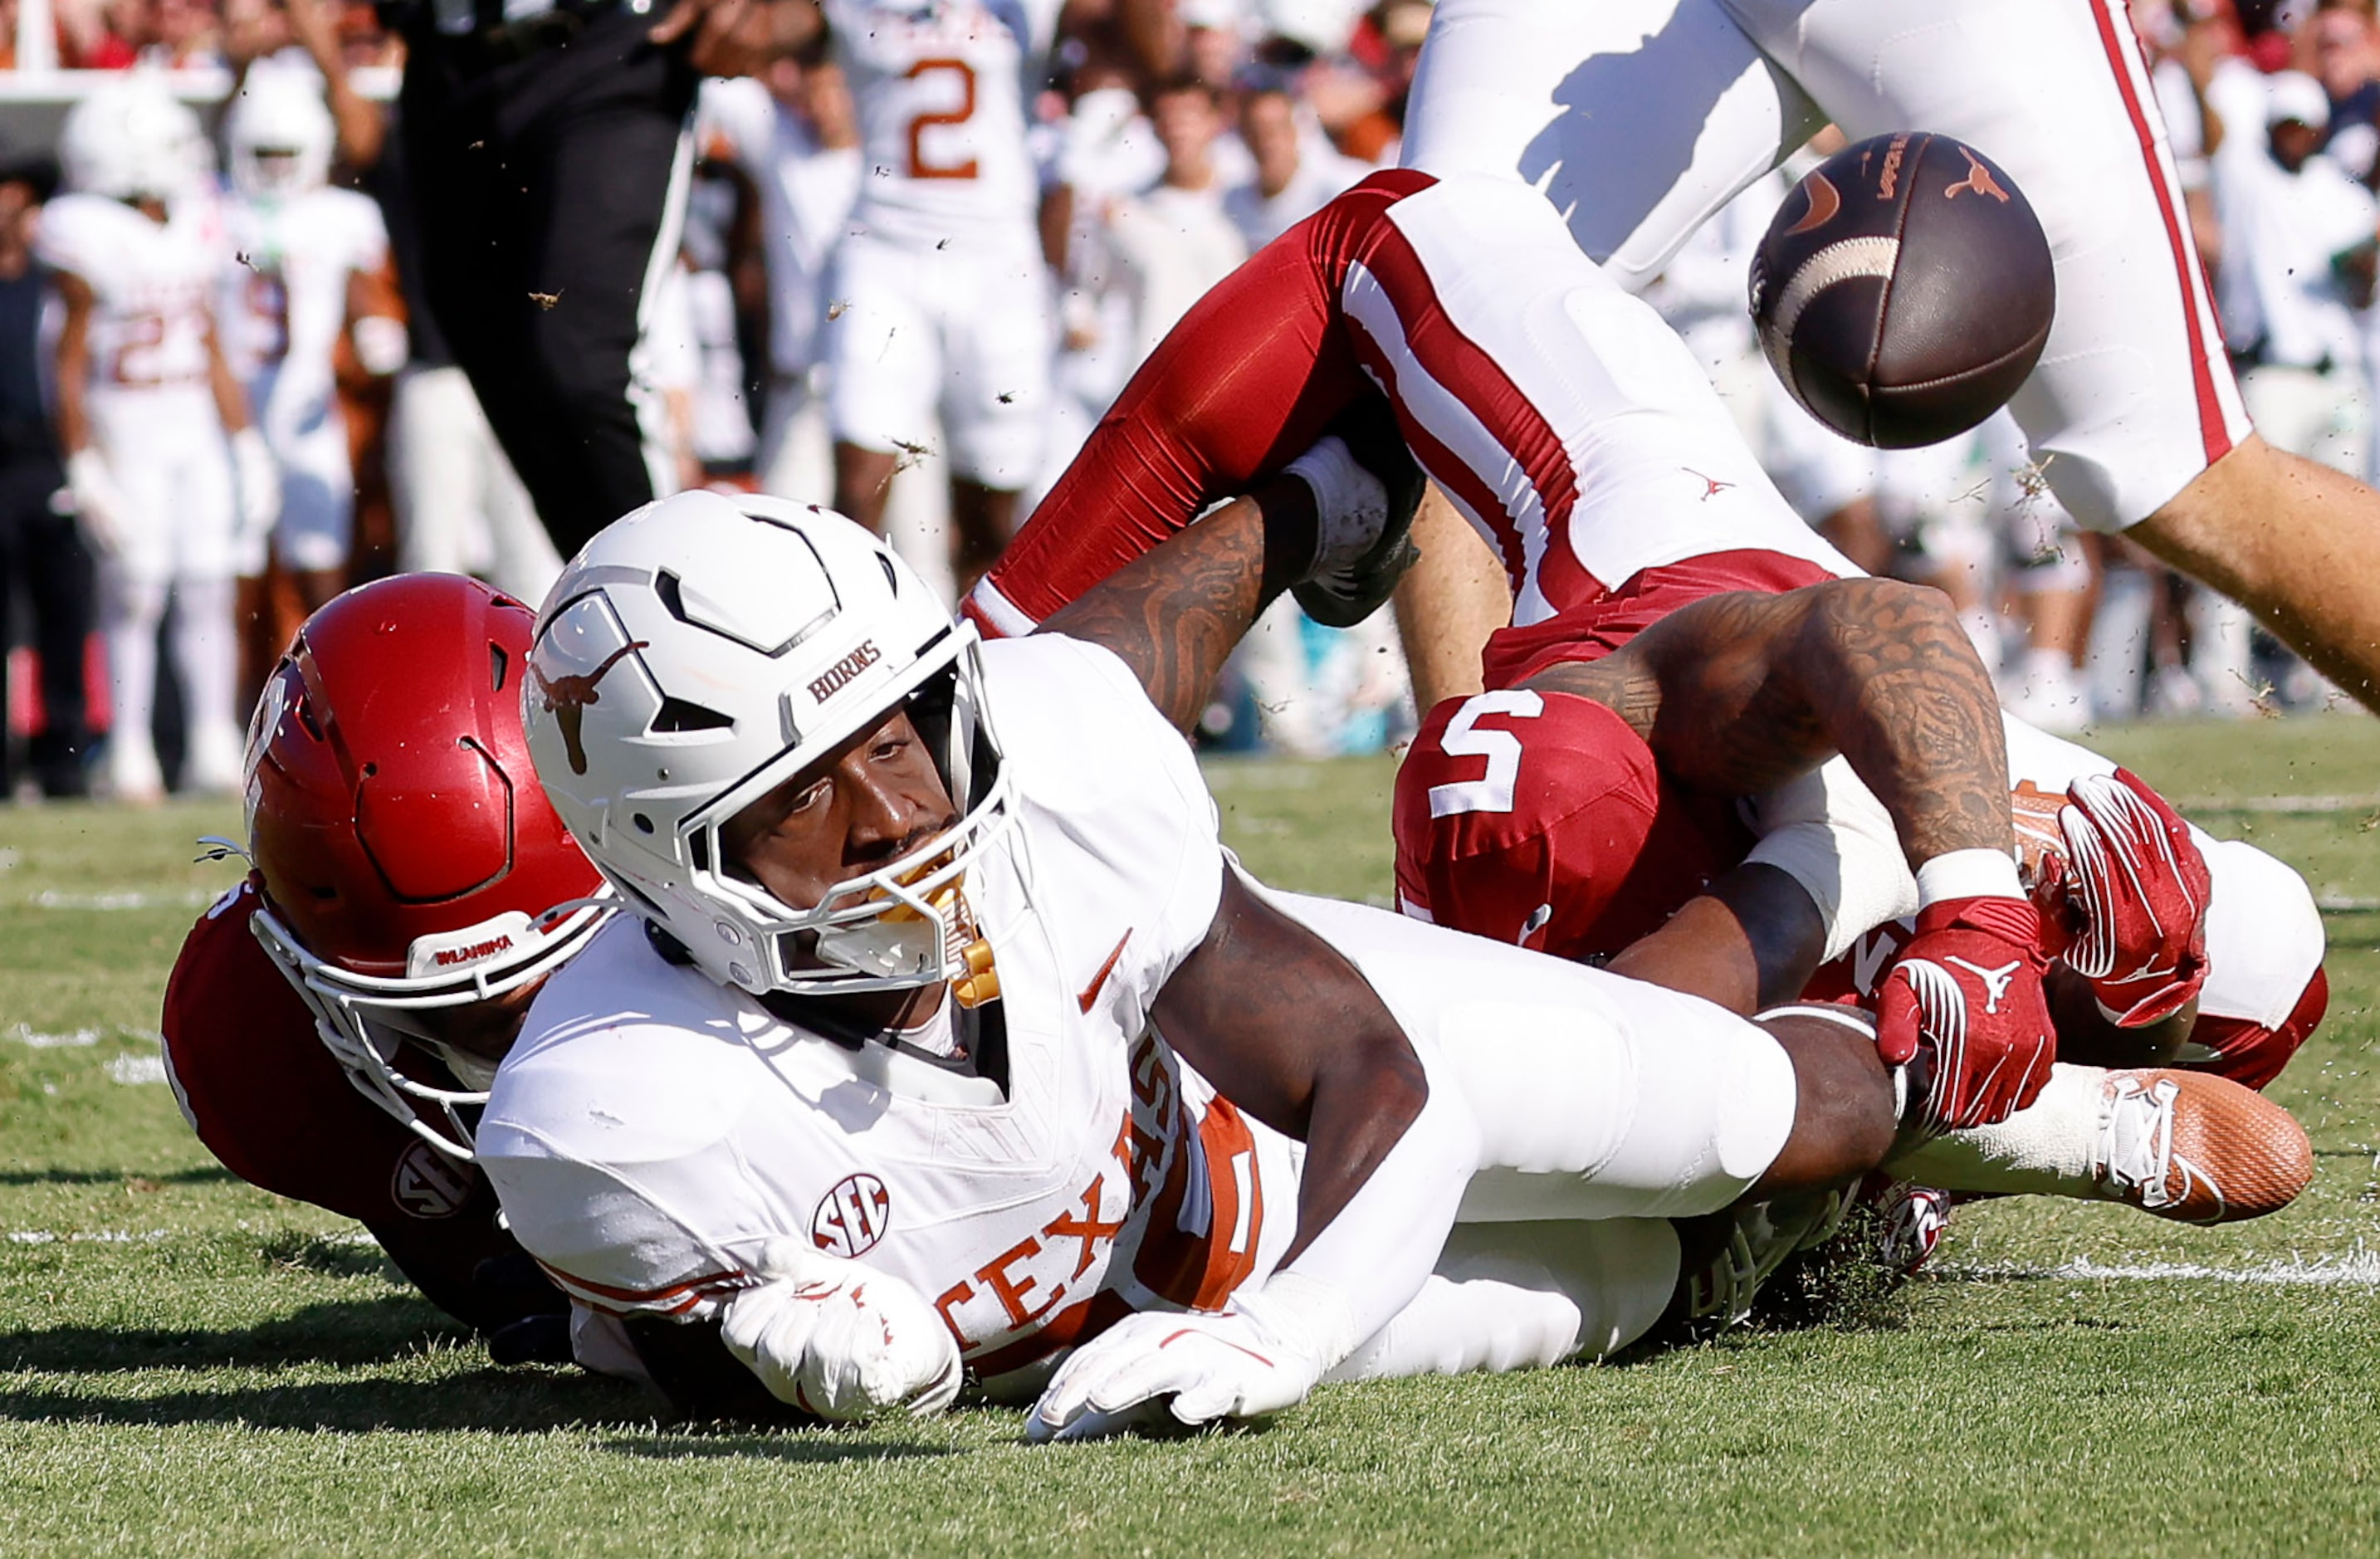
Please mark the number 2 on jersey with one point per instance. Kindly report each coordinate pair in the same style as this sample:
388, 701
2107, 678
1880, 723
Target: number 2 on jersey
918, 166
1492, 792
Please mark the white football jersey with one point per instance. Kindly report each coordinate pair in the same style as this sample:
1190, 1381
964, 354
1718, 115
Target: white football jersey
151, 283
651, 1129
807, 192
285, 299
942, 88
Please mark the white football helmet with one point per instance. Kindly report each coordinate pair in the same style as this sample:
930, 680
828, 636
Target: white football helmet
280, 136
704, 650
130, 139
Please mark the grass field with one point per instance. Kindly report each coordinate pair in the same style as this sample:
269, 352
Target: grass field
189, 1366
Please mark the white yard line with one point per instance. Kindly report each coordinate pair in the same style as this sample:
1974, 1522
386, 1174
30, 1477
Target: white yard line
2285, 804
184, 898
2359, 1269
24, 1034
134, 1070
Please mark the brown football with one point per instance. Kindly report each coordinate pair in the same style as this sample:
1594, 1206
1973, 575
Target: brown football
1903, 290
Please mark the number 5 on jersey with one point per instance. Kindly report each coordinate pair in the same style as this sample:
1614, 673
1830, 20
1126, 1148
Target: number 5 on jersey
1492, 792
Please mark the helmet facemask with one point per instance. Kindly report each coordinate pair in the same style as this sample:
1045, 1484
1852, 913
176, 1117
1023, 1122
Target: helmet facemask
364, 1020
905, 924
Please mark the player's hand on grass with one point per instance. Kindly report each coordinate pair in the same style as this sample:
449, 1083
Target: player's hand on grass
2129, 910
840, 1340
1163, 1371
1965, 1005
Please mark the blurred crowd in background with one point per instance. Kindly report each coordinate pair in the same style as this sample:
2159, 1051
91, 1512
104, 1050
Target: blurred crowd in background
1163, 163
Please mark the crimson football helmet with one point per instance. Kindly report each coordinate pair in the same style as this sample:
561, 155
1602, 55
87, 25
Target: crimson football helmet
408, 859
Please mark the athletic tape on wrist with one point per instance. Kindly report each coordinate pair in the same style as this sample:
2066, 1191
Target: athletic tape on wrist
1829, 832
1968, 875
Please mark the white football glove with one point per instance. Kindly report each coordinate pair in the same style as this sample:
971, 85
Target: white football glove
381, 344
841, 1340
1160, 1369
258, 476
99, 502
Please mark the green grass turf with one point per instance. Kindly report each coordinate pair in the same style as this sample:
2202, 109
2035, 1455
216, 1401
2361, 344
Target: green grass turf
187, 1366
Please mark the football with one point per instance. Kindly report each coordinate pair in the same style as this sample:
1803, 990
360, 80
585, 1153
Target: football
1903, 290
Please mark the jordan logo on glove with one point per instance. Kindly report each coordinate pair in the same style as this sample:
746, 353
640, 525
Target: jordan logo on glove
1967, 993
1996, 982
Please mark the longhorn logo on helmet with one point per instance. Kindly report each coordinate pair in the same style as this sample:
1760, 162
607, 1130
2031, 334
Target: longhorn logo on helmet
566, 697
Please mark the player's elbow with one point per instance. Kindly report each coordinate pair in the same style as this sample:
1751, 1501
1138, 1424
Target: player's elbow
1376, 1076
1869, 601
1860, 627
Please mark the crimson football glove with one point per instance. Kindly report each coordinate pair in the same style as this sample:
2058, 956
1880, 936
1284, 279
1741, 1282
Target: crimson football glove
1966, 1002
2129, 910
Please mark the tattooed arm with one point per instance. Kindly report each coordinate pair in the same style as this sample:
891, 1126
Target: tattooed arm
1174, 613
1739, 693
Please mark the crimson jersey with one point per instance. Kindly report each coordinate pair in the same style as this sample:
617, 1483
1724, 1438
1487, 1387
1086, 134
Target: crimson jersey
269, 1100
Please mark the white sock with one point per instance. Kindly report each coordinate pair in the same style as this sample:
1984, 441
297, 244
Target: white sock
1351, 507
2043, 1149
2119, 637
206, 652
128, 614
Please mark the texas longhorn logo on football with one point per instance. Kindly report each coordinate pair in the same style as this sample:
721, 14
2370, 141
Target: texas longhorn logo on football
566, 697
1979, 179
825, 686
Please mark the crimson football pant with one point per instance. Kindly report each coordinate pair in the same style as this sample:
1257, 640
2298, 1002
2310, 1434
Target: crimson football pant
549, 188
1244, 384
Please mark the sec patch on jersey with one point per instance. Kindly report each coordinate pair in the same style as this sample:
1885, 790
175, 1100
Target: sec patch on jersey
1903, 290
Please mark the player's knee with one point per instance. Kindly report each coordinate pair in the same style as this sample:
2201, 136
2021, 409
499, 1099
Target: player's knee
2265, 992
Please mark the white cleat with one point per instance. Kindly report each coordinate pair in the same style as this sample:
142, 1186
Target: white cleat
2196, 1148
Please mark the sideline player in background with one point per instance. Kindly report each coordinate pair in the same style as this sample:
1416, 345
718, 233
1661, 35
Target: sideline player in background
145, 403
330, 1023
939, 312
794, 136
547, 158
311, 265
1640, 119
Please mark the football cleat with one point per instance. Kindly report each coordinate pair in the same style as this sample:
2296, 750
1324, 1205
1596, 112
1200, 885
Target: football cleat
2196, 1149
1911, 1220
1343, 596
1762, 1236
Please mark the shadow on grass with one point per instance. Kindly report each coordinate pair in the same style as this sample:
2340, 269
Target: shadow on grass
351, 1332
203, 1174
524, 1401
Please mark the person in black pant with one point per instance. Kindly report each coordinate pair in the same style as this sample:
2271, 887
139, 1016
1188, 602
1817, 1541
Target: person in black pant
548, 158
43, 564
